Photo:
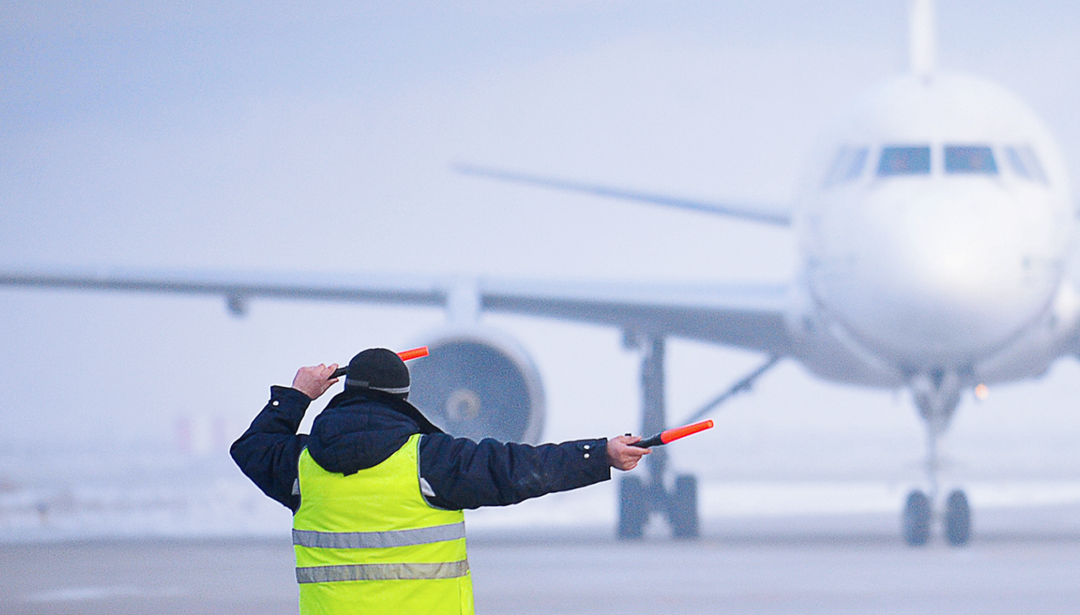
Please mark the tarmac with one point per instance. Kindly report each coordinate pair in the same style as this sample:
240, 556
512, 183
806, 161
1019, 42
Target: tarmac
1021, 560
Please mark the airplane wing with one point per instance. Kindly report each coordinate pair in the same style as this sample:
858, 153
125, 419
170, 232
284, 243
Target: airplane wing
745, 316
765, 213
748, 316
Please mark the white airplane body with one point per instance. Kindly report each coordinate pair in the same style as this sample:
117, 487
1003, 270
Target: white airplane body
935, 231
935, 228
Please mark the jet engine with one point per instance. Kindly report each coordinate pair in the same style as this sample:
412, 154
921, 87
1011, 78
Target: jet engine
478, 383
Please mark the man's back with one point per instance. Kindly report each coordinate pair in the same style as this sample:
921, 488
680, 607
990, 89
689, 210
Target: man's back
368, 542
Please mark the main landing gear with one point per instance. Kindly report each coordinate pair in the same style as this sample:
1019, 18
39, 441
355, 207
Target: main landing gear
639, 498
937, 394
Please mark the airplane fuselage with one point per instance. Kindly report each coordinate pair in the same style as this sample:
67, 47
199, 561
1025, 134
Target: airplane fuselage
936, 228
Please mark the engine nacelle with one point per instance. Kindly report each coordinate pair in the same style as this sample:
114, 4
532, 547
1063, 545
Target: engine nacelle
478, 383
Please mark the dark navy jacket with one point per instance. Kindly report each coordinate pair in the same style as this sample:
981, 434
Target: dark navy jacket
359, 430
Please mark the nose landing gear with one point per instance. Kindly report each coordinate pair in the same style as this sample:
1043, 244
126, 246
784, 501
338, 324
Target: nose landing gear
957, 519
937, 394
915, 523
917, 520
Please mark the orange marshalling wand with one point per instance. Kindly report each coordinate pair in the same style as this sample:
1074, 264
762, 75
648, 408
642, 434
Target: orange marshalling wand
670, 435
415, 353
406, 355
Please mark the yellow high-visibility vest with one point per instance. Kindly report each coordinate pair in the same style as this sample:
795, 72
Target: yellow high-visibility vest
370, 543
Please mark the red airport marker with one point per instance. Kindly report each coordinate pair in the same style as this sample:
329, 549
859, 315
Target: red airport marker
670, 435
415, 353
406, 355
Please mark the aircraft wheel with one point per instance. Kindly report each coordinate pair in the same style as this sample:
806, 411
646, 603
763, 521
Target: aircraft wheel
957, 519
632, 510
916, 520
682, 511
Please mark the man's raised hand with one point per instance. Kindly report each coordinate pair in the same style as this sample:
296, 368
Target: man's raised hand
313, 381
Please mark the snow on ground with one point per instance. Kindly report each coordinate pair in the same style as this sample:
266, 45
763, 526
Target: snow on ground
227, 506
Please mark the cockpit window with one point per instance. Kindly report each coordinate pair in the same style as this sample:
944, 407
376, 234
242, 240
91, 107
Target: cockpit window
848, 165
970, 159
897, 160
1025, 163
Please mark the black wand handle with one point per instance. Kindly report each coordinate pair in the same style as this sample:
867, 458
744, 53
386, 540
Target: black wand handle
649, 442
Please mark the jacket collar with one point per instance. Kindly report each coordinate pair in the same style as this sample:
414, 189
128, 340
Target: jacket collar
395, 403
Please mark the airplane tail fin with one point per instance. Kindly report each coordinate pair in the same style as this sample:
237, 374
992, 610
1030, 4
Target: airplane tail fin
923, 39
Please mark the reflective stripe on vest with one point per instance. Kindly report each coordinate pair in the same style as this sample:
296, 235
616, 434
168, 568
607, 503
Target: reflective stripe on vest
369, 542
381, 572
378, 540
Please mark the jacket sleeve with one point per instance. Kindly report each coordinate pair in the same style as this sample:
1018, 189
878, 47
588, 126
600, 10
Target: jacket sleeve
269, 451
459, 473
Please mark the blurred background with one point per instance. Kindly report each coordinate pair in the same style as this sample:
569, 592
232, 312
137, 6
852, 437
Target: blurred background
281, 137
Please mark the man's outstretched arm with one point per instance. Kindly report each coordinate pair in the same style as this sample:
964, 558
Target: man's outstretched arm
460, 473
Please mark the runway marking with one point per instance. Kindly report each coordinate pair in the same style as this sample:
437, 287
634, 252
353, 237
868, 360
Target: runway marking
86, 594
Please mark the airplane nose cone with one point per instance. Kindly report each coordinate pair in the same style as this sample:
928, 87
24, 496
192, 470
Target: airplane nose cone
940, 275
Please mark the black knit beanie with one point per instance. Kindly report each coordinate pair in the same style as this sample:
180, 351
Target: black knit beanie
378, 369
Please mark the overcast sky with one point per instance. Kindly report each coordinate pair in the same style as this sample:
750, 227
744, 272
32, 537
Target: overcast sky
282, 137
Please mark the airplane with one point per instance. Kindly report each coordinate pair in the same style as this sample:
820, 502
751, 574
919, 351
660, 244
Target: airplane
935, 227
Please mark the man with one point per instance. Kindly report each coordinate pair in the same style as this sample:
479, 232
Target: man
377, 491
